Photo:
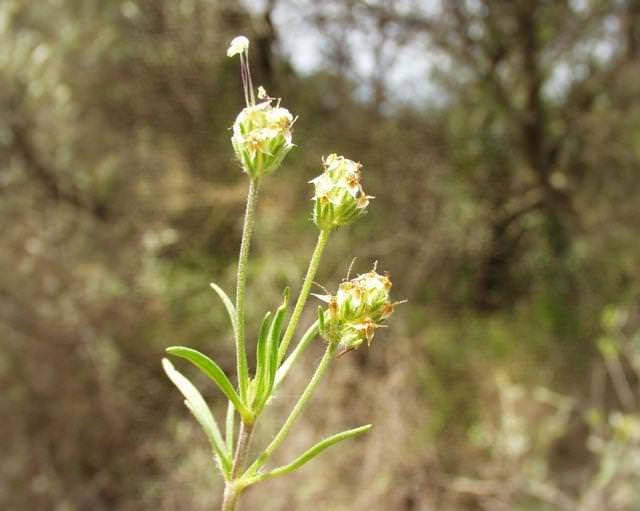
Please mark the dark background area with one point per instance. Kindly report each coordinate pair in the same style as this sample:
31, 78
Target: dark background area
502, 142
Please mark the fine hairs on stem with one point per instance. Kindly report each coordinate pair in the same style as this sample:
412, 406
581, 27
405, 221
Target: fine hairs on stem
261, 140
249, 220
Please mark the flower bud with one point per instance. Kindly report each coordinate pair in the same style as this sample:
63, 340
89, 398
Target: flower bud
339, 197
262, 137
359, 307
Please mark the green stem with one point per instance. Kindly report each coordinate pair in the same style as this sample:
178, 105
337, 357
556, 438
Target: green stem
295, 413
241, 353
304, 293
308, 336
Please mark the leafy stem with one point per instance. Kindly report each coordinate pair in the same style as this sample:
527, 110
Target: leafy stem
323, 237
241, 353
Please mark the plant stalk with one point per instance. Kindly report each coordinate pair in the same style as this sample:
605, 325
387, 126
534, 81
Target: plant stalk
323, 237
231, 497
297, 410
241, 353
232, 490
242, 449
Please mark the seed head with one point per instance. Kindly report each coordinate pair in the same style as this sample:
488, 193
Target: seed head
339, 197
358, 308
262, 137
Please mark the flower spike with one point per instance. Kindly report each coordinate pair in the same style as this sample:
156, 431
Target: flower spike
261, 132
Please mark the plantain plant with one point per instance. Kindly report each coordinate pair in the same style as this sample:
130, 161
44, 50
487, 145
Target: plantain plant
262, 138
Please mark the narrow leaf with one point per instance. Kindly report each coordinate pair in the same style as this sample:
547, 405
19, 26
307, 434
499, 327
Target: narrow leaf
213, 371
274, 339
231, 310
315, 450
261, 361
198, 407
229, 429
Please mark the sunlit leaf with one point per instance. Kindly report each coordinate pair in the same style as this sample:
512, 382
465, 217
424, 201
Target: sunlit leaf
213, 371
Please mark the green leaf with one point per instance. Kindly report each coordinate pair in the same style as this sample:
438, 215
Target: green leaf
198, 407
267, 353
261, 362
274, 339
314, 451
213, 371
231, 310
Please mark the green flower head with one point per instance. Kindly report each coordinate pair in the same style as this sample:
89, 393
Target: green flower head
339, 197
360, 306
262, 137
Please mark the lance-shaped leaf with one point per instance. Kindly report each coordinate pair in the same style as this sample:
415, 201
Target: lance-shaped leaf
262, 357
198, 407
274, 338
313, 452
213, 371
228, 304
268, 354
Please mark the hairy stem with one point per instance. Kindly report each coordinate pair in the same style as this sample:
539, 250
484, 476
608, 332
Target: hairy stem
232, 490
242, 449
304, 293
231, 497
241, 353
297, 410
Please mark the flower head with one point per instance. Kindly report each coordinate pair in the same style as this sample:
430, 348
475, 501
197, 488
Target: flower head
358, 308
262, 136
261, 132
339, 196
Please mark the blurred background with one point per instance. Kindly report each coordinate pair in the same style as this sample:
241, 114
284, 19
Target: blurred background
502, 141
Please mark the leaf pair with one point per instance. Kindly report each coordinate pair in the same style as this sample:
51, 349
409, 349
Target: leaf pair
267, 355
